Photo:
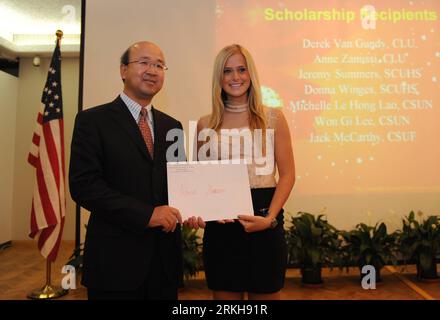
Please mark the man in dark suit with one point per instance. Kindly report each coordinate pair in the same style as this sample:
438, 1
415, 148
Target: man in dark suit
118, 173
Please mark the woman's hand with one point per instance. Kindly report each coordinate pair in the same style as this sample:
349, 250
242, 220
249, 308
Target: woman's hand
254, 223
195, 223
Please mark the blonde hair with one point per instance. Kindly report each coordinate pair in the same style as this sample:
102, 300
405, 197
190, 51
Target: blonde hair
257, 117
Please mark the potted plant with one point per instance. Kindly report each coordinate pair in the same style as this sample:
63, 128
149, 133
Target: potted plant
368, 245
76, 259
312, 242
191, 253
421, 243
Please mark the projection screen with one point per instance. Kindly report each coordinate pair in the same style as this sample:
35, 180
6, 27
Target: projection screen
359, 83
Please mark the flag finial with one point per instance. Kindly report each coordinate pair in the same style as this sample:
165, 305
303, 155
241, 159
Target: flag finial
59, 34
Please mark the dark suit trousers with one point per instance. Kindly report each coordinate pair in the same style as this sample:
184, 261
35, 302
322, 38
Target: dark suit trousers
156, 286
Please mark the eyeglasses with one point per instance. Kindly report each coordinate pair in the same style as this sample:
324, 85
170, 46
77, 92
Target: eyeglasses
145, 64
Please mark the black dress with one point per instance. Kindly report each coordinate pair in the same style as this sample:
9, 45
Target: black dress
238, 261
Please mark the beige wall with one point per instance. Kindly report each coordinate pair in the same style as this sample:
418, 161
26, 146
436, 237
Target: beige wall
8, 98
30, 86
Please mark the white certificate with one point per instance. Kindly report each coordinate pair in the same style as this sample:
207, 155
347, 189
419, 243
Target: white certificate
211, 191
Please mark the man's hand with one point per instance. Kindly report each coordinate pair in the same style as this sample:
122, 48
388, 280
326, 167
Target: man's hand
195, 223
165, 216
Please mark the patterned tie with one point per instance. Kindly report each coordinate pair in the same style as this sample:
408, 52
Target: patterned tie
145, 130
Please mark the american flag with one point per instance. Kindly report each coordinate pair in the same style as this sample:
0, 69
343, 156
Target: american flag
47, 156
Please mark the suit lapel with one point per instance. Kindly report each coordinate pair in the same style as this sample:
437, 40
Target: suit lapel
124, 118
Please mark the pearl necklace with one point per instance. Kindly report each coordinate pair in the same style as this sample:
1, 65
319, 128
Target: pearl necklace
237, 108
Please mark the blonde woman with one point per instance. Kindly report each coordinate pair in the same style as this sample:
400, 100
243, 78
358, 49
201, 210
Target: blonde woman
248, 255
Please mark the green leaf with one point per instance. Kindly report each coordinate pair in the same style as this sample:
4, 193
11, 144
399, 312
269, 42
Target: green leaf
381, 231
364, 247
316, 232
368, 258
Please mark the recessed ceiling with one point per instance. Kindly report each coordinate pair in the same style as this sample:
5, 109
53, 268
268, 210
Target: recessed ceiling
27, 27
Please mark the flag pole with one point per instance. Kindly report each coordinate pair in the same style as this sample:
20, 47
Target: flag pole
49, 291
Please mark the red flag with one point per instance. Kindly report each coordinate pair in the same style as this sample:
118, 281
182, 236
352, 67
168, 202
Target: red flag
47, 156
